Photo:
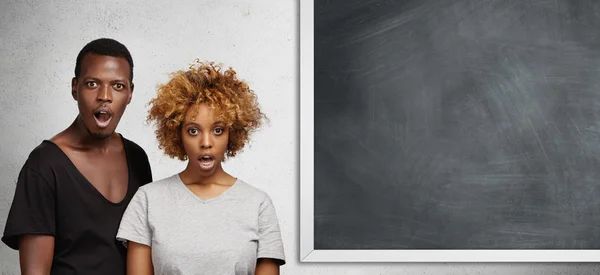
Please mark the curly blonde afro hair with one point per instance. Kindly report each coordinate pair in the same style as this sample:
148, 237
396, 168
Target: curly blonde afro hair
232, 100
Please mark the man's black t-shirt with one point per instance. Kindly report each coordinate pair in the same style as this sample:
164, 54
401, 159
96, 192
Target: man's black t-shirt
53, 198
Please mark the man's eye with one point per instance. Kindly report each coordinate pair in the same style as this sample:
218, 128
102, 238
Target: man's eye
91, 84
119, 86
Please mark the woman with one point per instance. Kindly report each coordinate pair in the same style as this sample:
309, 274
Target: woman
202, 220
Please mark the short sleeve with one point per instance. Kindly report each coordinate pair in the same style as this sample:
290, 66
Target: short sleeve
270, 244
32, 211
134, 223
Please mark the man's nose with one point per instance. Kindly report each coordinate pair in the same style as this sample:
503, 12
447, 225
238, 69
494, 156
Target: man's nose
105, 93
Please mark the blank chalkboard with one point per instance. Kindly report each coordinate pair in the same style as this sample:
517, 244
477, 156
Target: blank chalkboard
464, 124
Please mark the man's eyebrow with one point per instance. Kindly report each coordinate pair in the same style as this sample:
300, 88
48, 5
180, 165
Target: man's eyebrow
118, 80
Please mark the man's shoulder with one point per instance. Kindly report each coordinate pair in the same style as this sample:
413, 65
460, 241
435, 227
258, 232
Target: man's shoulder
138, 160
44, 154
133, 147
43, 162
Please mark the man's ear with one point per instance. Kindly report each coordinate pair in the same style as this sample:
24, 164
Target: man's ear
130, 93
74, 88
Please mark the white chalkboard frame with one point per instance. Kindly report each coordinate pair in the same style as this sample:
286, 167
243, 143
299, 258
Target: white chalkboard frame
307, 251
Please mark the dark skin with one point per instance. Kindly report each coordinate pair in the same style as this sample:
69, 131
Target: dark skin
95, 149
201, 133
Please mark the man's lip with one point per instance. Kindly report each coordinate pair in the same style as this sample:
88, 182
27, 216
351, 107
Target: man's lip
103, 109
102, 124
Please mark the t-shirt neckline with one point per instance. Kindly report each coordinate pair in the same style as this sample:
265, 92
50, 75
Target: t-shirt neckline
198, 198
88, 183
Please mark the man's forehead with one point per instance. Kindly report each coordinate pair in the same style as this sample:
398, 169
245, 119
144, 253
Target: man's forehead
92, 62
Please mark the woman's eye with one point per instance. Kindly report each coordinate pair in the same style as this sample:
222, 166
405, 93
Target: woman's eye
193, 132
218, 131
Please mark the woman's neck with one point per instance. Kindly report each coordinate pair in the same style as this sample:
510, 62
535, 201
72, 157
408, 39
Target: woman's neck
193, 175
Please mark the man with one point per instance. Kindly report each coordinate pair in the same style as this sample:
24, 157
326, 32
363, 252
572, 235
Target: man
73, 188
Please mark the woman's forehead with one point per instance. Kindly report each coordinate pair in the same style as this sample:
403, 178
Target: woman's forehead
204, 114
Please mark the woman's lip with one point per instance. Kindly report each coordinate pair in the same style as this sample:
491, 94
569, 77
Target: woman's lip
202, 156
206, 164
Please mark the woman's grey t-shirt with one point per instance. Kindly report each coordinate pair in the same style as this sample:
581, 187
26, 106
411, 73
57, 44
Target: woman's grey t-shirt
190, 235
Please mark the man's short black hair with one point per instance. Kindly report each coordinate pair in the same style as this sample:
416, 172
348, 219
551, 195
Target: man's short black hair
105, 46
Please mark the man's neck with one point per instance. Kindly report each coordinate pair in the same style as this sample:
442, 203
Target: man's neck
80, 138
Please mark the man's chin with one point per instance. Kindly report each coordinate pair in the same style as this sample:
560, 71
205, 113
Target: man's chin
94, 131
100, 135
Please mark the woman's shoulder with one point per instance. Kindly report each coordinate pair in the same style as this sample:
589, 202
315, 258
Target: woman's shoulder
161, 185
252, 192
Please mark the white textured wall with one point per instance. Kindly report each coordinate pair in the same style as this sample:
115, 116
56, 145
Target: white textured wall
39, 41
